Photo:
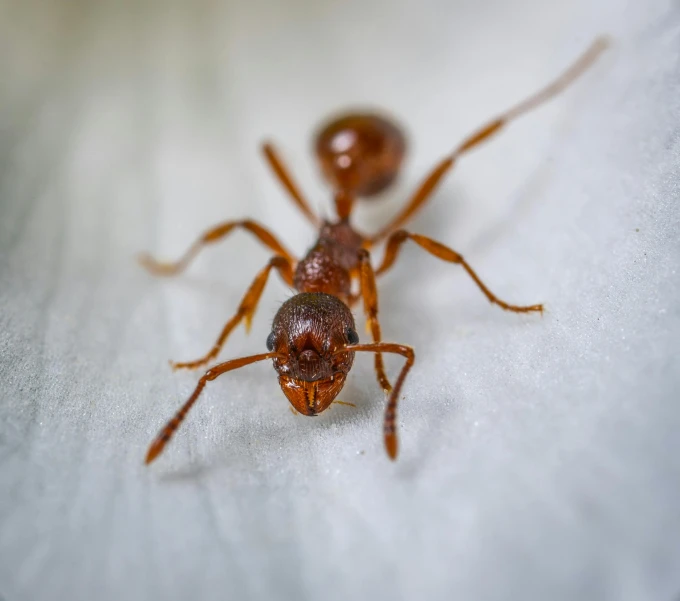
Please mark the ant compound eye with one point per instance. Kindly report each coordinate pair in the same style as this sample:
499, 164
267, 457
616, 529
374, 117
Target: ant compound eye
270, 342
352, 336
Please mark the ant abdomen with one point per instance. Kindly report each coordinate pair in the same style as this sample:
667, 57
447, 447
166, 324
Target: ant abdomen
360, 153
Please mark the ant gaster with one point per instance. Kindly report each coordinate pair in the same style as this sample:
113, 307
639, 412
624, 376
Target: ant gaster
313, 339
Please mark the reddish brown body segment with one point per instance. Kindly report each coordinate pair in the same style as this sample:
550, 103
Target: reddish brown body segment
308, 330
360, 153
313, 340
329, 264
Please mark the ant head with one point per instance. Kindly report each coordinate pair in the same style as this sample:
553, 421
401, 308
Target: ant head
360, 153
308, 331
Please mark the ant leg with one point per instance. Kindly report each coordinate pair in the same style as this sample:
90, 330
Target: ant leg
169, 429
213, 235
440, 251
369, 293
427, 187
389, 425
246, 309
283, 174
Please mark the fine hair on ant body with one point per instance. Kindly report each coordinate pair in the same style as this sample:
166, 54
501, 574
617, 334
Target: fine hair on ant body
313, 339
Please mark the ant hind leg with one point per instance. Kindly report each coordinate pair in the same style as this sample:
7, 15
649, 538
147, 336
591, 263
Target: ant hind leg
283, 175
424, 192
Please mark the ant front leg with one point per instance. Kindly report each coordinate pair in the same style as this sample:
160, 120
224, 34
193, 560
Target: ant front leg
369, 292
440, 251
246, 309
209, 237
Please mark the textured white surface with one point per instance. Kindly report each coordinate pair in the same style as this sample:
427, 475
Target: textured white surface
540, 457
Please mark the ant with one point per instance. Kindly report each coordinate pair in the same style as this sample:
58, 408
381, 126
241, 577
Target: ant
313, 339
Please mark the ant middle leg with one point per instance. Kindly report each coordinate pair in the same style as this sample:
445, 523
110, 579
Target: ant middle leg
209, 237
430, 183
246, 309
445, 253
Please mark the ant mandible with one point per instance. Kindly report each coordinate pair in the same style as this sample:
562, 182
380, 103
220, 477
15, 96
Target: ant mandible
313, 338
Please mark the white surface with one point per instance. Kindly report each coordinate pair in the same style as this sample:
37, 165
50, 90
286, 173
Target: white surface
539, 457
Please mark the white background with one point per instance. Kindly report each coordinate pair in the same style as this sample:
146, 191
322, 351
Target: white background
539, 457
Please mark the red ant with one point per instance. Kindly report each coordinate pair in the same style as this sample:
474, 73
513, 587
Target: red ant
313, 338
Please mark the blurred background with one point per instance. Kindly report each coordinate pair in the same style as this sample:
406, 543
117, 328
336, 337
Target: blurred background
539, 457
